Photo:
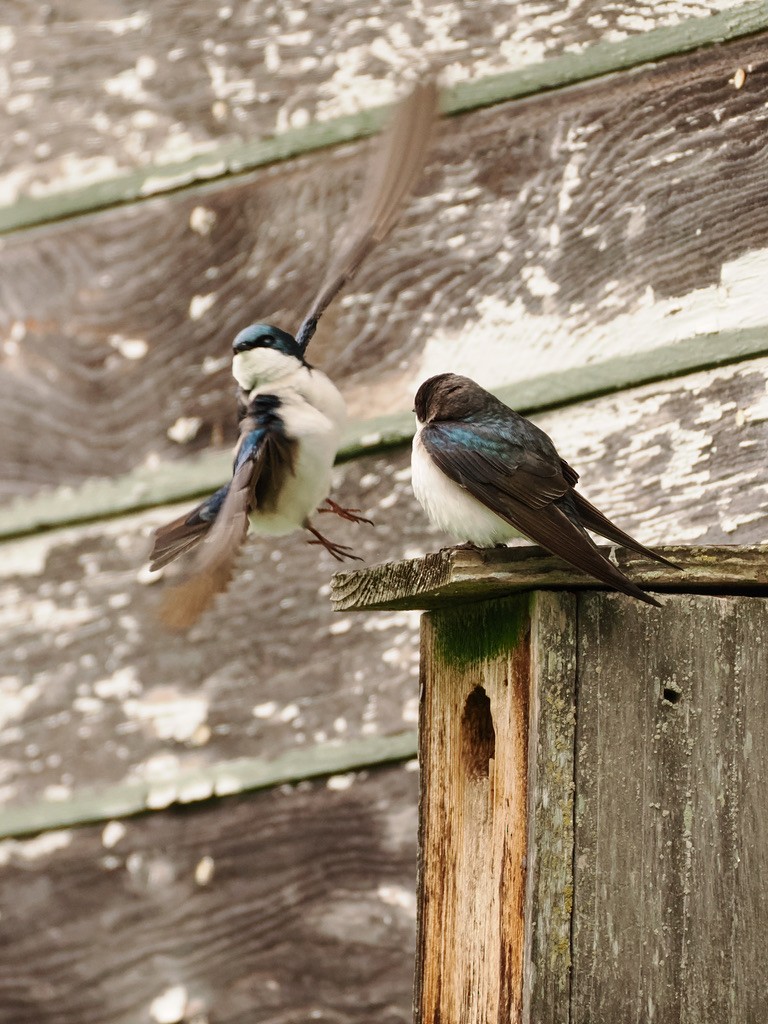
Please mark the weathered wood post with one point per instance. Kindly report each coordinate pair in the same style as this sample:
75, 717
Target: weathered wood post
594, 812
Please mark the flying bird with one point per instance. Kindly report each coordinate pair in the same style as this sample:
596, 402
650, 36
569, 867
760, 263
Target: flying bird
482, 473
291, 415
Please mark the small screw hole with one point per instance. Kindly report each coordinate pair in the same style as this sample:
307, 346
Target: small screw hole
671, 696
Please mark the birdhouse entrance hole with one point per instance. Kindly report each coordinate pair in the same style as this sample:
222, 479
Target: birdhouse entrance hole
478, 737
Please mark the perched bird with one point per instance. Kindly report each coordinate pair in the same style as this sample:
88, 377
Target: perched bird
482, 473
291, 415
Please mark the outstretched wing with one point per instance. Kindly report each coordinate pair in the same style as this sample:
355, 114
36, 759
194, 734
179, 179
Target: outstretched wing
263, 457
523, 486
392, 173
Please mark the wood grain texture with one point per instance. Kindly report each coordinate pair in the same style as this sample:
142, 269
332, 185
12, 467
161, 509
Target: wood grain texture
93, 690
293, 905
521, 246
161, 482
101, 89
473, 752
459, 575
551, 772
672, 740
496, 741
96, 693
95, 802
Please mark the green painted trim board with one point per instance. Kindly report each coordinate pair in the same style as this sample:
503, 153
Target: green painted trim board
190, 478
236, 158
229, 778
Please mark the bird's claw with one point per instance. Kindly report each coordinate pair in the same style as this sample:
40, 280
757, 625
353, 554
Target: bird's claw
345, 513
337, 551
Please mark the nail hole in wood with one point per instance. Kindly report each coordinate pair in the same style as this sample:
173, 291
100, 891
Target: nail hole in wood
671, 695
478, 737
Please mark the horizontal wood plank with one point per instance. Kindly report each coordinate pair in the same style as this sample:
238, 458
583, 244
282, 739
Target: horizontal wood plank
672, 764
295, 904
519, 246
149, 97
456, 576
166, 481
94, 690
94, 802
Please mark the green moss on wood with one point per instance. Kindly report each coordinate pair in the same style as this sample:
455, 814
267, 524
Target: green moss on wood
474, 633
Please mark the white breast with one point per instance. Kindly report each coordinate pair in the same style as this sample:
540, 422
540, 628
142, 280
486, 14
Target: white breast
314, 414
450, 507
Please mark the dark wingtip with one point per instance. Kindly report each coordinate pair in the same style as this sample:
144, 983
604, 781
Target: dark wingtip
665, 561
306, 332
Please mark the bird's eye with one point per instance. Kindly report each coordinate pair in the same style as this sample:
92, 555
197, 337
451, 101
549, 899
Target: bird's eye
268, 338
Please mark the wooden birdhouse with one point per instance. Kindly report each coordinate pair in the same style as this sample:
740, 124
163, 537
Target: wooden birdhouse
594, 814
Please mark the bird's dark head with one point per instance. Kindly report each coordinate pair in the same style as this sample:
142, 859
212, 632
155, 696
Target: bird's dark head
266, 336
264, 354
449, 396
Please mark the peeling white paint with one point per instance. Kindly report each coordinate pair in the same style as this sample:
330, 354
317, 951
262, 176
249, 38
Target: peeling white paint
201, 220
33, 849
185, 429
340, 782
112, 833
121, 685
204, 870
129, 84
212, 364
200, 304
411, 710
16, 695
120, 26
169, 1007
129, 348
537, 282
398, 896
516, 343
289, 713
266, 710
169, 715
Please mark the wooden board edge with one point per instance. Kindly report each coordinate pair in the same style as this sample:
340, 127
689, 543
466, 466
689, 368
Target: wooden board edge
459, 575
227, 778
236, 158
551, 809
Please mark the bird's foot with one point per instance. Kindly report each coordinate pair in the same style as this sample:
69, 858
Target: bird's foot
337, 551
346, 513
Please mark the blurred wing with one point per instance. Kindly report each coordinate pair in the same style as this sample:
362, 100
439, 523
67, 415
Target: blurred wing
261, 457
392, 173
186, 532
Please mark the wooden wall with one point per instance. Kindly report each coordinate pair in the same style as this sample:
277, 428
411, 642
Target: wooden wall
590, 238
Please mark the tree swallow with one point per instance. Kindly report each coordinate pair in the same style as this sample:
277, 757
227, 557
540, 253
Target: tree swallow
291, 415
482, 473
